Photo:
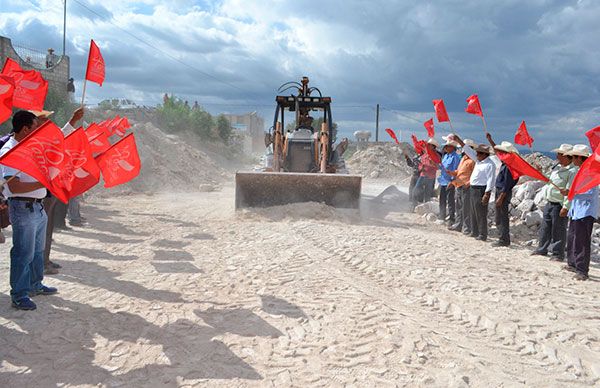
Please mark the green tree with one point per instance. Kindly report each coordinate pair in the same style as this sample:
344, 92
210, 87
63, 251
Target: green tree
224, 128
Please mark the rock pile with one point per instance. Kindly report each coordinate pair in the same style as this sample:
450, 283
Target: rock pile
381, 161
168, 164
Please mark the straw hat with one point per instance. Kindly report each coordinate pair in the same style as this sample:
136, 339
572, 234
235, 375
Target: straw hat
470, 143
563, 149
506, 146
433, 142
42, 113
483, 148
579, 150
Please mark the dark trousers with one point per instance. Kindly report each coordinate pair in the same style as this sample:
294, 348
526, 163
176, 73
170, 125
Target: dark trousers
579, 244
463, 208
49, 205
553, 232
503, 218
423, 190
411, 188
447, 202
479, 211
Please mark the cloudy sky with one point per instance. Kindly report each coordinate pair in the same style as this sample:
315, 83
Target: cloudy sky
534, 60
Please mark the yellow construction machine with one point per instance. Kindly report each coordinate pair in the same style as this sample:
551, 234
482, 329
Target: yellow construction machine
304, 166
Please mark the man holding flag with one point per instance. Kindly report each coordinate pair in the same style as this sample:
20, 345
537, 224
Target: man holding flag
428, 169
583, 213
553, 231
504, 185
28, 219
450, 161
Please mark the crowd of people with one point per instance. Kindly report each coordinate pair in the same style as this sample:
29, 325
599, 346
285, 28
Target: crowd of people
468, 177
33, 213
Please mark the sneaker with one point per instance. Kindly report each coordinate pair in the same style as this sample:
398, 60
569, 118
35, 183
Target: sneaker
557, 259
45, 290
538, 253
500, 244
580, 277
481, 238
569, 268
24, 304
49, 270
76, 223
467, 232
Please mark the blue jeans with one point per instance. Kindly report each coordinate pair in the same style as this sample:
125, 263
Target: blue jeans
73, 210
27, 254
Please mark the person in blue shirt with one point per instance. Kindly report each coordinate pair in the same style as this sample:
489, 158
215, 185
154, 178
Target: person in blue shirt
450, 161
504, 186
583, 214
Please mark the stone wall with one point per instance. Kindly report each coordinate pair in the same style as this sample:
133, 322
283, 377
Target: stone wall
57, 75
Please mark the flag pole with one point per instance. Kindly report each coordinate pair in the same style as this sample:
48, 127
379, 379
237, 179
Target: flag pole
83, 95
484, 124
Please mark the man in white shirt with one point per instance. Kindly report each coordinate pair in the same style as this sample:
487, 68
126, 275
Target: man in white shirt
28, 220
482, 183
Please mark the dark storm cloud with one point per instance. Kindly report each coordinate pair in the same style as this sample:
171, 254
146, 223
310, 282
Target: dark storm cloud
534, 60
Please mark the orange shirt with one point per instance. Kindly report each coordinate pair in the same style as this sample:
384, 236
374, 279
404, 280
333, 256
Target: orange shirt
463, 173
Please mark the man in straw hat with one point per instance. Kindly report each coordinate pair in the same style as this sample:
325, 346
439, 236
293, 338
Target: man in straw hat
450, 161
582, 213
553, 231
462, 177
504, 185
428, 168
482, 183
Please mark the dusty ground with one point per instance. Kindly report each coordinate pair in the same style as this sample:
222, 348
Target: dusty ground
177, 290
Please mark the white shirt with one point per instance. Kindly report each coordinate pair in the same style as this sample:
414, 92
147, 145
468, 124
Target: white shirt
9, 171
484, 171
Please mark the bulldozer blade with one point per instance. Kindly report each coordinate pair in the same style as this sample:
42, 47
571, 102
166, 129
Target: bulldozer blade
264, 189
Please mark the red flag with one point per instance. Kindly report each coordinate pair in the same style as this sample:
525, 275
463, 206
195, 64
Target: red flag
7, 89
30, 87
120, 163
429, 126
433, 155
588, 175
519, 167
392, 134
418, 144
123, 125
593, 135
99, 143
85, 172
41, 155
473, 105
95, 66
522, 136
440, 111
10, 66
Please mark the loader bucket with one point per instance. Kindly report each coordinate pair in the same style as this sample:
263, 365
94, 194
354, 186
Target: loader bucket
264, 189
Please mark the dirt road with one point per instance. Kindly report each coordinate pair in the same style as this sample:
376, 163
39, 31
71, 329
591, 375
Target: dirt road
178, 290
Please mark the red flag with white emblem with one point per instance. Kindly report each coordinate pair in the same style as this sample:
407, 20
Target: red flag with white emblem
95, 68
84, 170
41, 155
120, 163
30, 87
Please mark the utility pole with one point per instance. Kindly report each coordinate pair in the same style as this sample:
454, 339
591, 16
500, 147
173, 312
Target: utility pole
64, 28
377, 125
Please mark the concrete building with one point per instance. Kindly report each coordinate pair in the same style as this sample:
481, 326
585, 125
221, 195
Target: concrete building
57, 75
253, 126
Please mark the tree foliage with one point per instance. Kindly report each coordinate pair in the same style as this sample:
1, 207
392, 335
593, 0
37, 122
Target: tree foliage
175, 115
